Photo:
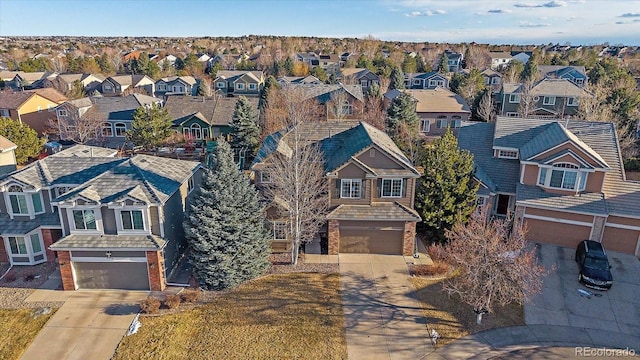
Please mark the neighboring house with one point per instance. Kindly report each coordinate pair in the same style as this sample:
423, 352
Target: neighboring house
24, 80
337, 101
112, 223
28, 107
430, 80
64, 82
8, 161
499, 60
203, 58
329, 63
550, 98
371, 188
437, 109
235, 83
364, 77
201, 118
310, 58
115, 114
169, 60
522, 56
50, 94
126, 84
309, 79
227, 61
492, 79
575, 74
563, 179
454, 61
176, 85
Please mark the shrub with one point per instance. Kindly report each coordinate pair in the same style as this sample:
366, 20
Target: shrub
632, 164
29, 276
150, 305
190, 296
437, 252
172, 301
438, 268
10, 277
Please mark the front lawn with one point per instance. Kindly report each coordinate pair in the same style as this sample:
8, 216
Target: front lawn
288, 316
18, 328
453, 319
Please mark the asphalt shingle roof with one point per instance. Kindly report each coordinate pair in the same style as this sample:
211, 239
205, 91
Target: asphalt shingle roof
16, 226
588, 202
383, 211
120, 242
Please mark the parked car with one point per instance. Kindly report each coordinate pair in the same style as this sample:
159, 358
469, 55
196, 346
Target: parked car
595, 271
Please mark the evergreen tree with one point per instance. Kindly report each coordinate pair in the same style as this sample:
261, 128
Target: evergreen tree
77, 90
225, 226
320, 74
409, 64
29, 145
245, 132
443, 67
269, 84
150, 126
421, 67
446, 193
402, 110
530, 72
396, 81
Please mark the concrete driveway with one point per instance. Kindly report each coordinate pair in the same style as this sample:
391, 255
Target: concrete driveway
382, 316
559, 303
89, 325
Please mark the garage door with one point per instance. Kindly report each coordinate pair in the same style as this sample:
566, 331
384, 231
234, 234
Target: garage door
622, 240
371, 240
112, 275
556, 233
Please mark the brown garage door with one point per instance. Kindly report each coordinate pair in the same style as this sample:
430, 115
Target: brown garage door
622, 240
113, 275
371, 240
556, 233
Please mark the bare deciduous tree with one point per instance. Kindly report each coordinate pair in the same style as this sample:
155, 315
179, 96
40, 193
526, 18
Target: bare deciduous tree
73, 127
485, 109
527, 100
496, 265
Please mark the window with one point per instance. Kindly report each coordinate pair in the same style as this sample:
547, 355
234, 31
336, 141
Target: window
17, 245
391, 187
107, 87
549, 100
572, 101
37, 203
60, 190
542, 177
62, 112
512, 114
441, 122
418, 81
346, 109
220, 85
425, 125
279, 230
514, 98
364, 83
265, 177
190, 186
84, 219
436, 83
240, 86
132, 220
107, 130
350, 188
495, 80
162, 87
579, 82
252, 86
121, 129
4, 112
196, 132
507, 154
456, 122
562, 176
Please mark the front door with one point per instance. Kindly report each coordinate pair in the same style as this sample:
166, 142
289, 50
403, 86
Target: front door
503, 204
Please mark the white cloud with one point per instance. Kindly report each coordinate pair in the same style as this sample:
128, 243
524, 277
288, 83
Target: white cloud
527, 24
499, 11
628, 15
425, 13
550, 4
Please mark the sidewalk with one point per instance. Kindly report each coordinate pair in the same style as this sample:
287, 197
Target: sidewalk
490, 343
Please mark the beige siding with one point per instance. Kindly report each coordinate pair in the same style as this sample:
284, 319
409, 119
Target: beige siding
622, 240
530, 175
571, 147
379, 160
109, 221
556, 233
351, 171
154, 217
335, 199
559, 215
594, 181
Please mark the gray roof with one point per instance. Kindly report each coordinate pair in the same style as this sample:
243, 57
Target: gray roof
324, 92
214, 111
80, 150
17, 226
117, 107
120, 242
383, 211
588, 202
548, 87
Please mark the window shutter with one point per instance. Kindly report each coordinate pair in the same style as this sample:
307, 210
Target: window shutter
338, 189
379, 188
405, 182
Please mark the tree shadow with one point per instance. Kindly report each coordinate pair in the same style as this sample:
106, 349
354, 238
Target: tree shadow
122, 309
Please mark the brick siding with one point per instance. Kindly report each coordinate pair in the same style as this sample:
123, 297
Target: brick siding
334, 237
155, 265
64, 260
408, 240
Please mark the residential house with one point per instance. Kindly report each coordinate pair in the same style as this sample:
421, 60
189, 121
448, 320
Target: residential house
108, 117
112, 223
493, 80
575, 74
8, 161
203, 58
235, 83
227, 61
30, 108
170, 60
64, 82
329, 63
176, 85
24, 80
310, 58
201, 118
454, 60
371, 188
430, 80
365, 77
564, 180
499, 59
521, 56
126, 84
438, 109
336, 101
309, 79
547, 98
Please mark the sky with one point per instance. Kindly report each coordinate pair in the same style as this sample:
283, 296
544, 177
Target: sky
578, 22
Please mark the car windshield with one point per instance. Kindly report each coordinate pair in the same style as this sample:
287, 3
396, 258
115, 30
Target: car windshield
596, 263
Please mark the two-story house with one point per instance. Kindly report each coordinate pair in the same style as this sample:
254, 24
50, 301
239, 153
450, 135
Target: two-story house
575, 74
430, 80
176, 85
336, 101
235, 83
499, 59
30, 107
118, 85
454, 60
112, 223
64, 82
309, 79
364, 77
563, 179
371, 187
493, 80
547, 98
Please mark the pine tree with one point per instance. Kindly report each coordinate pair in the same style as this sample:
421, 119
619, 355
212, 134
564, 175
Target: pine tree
396, 80
225, 226
530, 72
245, 132
443, 67
446, 193
150, 127
402, 110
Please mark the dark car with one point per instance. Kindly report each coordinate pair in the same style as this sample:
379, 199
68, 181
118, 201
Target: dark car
595, 271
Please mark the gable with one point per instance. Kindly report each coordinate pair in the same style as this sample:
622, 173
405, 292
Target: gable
351, 171
375, 158
556, 151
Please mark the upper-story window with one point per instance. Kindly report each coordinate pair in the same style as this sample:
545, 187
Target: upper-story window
425, 125
456, 122
346, 109
162, 87
61, 190
84, 219
579, 82
549, 100
4, 112
572, 101
107, 87
132, 220
240, 86
265, 177
508, 154
350, 188
190, 186
63, 112
107, 130
279, 229
121, 129
514, 98
22, 203
441, 122
563, 176
391, 187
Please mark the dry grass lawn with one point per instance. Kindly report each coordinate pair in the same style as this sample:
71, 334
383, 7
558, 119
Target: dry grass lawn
18, 328
453, 319
288, 316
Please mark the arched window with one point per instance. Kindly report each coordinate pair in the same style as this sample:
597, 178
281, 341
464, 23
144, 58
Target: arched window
107, 130
441, 122
456, 121
121, 129
196, 131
